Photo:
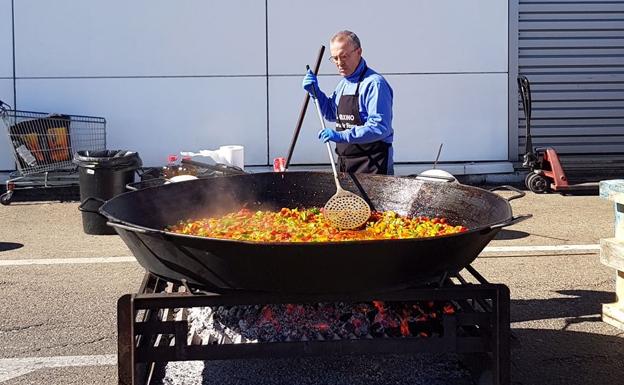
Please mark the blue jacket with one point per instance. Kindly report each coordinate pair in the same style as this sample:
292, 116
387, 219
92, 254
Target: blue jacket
375, 106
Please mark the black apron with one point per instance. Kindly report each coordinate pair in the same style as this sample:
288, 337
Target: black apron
370, 158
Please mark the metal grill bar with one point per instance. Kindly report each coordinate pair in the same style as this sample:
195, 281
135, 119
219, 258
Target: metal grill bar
309, 349
162, 300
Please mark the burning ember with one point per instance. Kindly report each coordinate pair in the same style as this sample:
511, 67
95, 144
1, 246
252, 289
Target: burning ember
319, 321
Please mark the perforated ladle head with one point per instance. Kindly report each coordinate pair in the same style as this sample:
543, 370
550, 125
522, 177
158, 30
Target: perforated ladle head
345, 210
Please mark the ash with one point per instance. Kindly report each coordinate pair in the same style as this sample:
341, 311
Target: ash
319, 321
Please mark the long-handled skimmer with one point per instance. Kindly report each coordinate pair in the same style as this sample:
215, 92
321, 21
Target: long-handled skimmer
344, 209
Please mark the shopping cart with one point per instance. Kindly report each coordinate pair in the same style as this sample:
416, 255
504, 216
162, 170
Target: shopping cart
44, 144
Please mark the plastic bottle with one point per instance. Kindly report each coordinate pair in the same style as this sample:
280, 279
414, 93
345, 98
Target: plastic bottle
170, 170
26, 155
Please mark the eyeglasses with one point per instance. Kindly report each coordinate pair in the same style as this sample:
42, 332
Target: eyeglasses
343, 57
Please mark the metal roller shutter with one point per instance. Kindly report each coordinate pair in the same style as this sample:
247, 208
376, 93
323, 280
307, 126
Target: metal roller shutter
572, 52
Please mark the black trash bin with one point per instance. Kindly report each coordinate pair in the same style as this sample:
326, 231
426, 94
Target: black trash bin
102, 175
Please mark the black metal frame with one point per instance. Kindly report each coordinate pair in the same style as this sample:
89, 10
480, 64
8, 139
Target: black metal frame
481, 327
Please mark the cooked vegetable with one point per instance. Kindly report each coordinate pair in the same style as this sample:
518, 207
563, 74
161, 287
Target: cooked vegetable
309, 225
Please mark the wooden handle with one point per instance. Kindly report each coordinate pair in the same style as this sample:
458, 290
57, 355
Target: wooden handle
304, 108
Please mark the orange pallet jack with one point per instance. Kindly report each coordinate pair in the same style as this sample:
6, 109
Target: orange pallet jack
546, 173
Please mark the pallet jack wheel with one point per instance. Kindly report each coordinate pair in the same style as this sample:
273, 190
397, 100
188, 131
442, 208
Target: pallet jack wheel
5, 198
527, 177
537, 183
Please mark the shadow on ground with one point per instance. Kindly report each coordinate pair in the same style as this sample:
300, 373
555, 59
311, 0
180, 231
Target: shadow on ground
505, 234
6, 246
578, 303
565, 356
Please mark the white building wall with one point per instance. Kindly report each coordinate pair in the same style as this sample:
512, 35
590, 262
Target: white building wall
6, 79
187, 75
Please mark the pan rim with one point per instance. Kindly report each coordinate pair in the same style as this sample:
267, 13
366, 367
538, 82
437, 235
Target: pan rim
487, 227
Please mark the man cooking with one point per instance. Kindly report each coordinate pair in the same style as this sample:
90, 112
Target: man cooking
361, 106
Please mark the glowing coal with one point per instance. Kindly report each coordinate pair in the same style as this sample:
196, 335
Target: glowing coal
318, 321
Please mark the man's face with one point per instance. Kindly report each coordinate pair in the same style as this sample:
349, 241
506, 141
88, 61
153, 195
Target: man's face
345, 56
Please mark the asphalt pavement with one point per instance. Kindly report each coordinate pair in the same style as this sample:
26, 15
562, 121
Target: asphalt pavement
60, 286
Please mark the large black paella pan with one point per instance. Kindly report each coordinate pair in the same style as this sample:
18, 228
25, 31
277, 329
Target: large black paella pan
337, 267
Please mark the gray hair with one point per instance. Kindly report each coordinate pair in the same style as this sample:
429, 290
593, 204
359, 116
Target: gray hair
347, 35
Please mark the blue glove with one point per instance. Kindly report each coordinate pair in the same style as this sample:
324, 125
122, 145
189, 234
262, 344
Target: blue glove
309, 81
328, 134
